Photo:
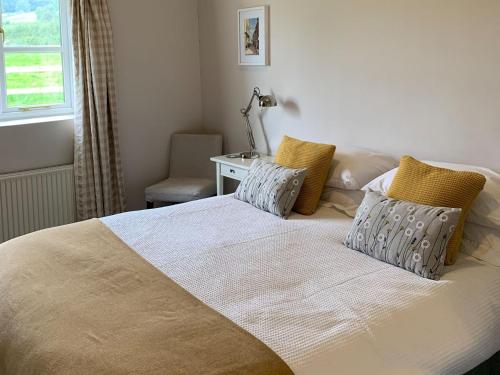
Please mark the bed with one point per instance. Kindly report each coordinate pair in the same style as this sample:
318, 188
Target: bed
321, 307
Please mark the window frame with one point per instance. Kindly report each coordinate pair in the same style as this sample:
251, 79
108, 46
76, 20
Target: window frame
30, 112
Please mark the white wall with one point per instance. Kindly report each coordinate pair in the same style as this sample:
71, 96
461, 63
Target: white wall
158, 83
33, 146
411, 76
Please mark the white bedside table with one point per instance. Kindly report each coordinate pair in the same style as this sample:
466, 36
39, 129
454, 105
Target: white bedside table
234, 168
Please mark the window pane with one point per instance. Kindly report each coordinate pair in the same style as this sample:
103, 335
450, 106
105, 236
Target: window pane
31, 22
34, 79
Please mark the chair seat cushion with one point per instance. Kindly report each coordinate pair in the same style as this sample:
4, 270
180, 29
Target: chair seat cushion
181, 189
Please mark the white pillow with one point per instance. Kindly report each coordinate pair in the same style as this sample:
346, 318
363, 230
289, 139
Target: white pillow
486, 208
352, 168
482, 243
346, 201
382, 183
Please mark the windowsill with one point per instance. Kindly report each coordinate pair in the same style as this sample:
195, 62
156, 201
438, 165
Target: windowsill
36, 120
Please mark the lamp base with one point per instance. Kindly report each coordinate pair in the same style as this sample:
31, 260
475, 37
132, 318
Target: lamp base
249, 155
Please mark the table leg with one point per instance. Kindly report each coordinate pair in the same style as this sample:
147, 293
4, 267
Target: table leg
220, 180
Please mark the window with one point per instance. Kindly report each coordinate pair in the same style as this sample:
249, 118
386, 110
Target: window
35, 59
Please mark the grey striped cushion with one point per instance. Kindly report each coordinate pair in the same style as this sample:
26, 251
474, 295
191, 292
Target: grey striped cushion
271, 187
408, 235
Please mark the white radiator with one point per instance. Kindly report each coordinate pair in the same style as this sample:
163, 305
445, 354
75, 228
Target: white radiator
35, 200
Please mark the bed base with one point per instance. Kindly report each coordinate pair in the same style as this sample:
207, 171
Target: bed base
488, 367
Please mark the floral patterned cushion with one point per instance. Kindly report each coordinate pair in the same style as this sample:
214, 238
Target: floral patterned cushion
271, 187
405, 234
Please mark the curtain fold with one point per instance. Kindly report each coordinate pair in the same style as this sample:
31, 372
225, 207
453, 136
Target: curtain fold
98, 174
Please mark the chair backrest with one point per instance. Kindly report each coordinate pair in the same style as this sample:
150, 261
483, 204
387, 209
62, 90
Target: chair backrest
190, 154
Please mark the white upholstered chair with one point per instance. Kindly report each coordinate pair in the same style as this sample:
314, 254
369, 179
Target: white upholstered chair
192, 174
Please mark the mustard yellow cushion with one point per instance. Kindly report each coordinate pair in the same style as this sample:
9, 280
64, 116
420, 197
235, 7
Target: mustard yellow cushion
317, 158
424, 184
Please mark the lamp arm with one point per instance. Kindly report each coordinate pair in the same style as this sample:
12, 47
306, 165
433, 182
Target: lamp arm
255, 94
246, 113
251, 140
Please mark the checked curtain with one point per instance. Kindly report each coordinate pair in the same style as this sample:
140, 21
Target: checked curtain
98, 174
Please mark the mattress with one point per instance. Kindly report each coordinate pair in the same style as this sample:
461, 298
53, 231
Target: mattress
322, 307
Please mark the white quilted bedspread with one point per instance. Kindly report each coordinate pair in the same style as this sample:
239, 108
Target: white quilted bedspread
322, 307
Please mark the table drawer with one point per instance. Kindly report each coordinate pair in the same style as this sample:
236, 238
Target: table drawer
233, 172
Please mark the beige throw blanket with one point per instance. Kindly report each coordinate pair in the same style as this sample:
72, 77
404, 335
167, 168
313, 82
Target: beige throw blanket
77, 300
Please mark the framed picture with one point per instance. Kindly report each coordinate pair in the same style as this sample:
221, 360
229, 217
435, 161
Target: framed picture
253, 36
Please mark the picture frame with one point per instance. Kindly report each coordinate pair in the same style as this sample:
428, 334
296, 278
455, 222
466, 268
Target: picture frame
253, 36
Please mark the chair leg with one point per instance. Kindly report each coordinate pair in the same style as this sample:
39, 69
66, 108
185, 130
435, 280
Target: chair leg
150, 205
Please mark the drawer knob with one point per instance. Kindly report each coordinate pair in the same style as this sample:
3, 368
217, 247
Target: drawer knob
232, 171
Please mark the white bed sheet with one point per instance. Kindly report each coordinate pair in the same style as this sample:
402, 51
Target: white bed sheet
322, 307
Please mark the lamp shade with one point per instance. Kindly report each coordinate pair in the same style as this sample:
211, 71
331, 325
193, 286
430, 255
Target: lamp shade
267, 101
